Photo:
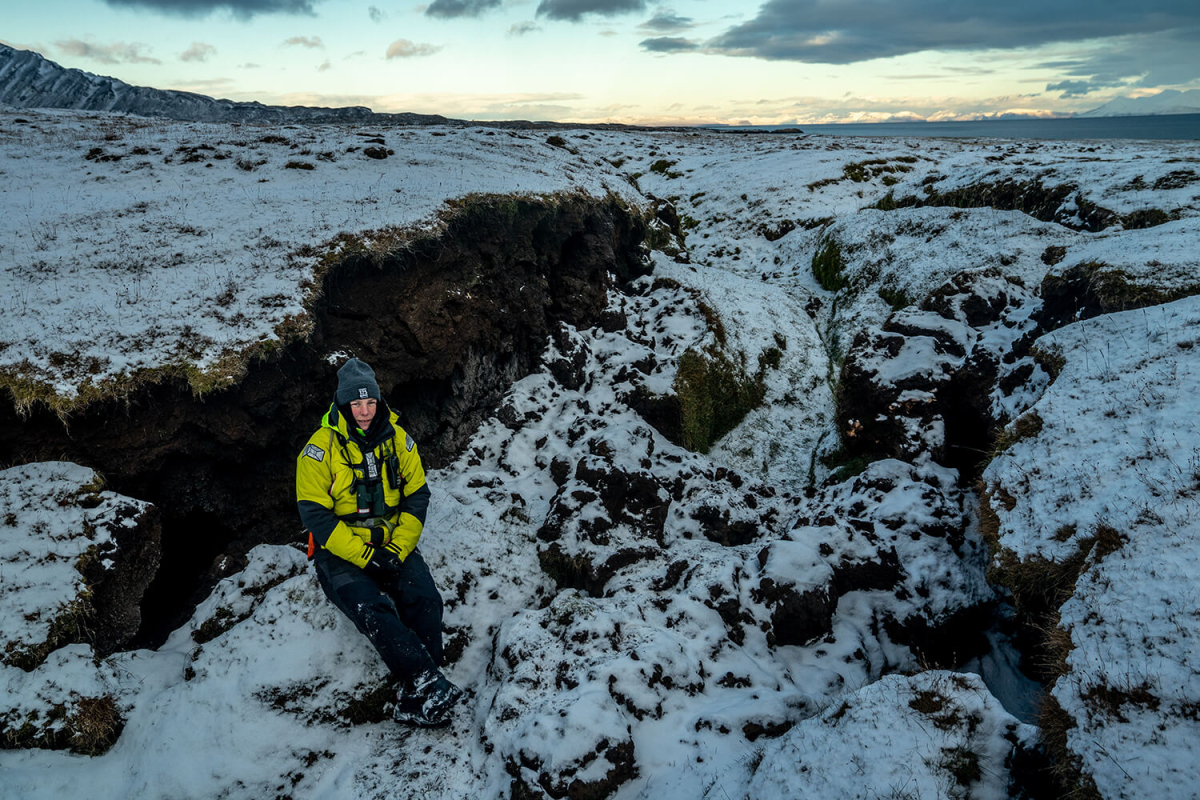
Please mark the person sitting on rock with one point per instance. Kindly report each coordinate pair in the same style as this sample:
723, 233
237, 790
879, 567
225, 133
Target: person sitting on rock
362, 496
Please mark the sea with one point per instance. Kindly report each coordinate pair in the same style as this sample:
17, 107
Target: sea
1160, 126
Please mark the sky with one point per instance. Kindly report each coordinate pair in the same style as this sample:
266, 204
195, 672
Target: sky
635, 61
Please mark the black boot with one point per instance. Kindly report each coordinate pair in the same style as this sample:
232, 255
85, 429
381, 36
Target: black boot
428, 702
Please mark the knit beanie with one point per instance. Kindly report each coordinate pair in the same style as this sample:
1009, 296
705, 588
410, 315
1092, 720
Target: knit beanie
356, 381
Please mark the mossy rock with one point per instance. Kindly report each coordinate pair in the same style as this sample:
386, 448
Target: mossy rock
715, 394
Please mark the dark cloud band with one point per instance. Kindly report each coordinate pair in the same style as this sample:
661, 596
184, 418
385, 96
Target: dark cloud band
240, 8
1146, 61
450, 9
846, 31
667, 22
668, 44
573, 10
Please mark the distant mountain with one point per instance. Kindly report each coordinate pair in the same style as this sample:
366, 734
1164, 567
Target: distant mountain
28, 80
1169, 101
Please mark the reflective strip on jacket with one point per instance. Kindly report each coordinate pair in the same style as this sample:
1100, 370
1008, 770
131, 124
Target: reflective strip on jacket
327, 470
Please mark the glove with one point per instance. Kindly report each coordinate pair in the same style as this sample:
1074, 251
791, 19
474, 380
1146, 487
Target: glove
383, 564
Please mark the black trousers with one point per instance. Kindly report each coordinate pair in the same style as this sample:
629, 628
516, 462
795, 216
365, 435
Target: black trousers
402, 619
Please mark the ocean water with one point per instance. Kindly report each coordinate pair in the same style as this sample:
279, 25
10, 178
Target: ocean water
1162, 126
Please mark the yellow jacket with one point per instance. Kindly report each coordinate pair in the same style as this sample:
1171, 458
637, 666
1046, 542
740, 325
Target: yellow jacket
333, 465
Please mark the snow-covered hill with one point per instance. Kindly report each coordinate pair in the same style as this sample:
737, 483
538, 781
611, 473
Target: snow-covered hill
722, 539
28, 80
1168, 101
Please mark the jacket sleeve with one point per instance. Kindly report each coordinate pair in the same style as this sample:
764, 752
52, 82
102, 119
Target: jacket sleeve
415, 502
314, 480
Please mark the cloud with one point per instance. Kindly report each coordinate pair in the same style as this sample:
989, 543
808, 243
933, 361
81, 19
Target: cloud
451, 9
199, 51
812, 110
523, 28
325, 66
668, 44
249, 65
573, 10
376, 14
1078, 88
403, 48
36, 48
241, 9
213, 87
304, 41
1142, 61
847, 31
550, 105
667, 21
118, 53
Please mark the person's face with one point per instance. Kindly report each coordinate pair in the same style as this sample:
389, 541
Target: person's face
363, 411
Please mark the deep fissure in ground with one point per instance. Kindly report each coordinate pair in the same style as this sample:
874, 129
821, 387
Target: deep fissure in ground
448, 321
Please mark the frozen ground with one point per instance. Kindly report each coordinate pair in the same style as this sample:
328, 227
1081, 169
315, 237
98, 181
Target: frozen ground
739, 617
1113, 478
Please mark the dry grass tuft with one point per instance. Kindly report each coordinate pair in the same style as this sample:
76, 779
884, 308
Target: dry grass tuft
1055, 723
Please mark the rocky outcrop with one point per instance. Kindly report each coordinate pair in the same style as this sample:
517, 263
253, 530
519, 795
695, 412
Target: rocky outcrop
962, 743
77, 561
563, 735
941, 379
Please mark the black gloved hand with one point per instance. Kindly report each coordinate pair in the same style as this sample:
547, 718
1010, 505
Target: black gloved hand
383, 564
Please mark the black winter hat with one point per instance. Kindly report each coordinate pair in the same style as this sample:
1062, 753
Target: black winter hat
356, 381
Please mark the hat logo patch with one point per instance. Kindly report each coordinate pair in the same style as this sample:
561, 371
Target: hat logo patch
362, 393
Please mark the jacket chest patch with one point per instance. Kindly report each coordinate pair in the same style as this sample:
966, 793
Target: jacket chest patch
372, 465
314, 452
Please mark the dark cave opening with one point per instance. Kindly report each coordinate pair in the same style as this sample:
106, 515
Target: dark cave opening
970, 431
191, 544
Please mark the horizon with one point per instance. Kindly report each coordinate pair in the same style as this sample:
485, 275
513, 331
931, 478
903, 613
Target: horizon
688, 63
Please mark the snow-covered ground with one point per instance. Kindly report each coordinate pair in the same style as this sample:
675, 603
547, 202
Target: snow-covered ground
135, 245
734, 624
1125, 497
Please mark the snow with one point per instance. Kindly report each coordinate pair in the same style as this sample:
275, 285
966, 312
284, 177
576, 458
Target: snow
919, 736
736, 615
53, 514
1119, 449
132, 244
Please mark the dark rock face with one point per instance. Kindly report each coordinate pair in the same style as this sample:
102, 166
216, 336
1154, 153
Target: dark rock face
117, 592
797, 617
605, 519
101, 551
448, 324
622, 767
452, 321
1091, 289
926, 381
